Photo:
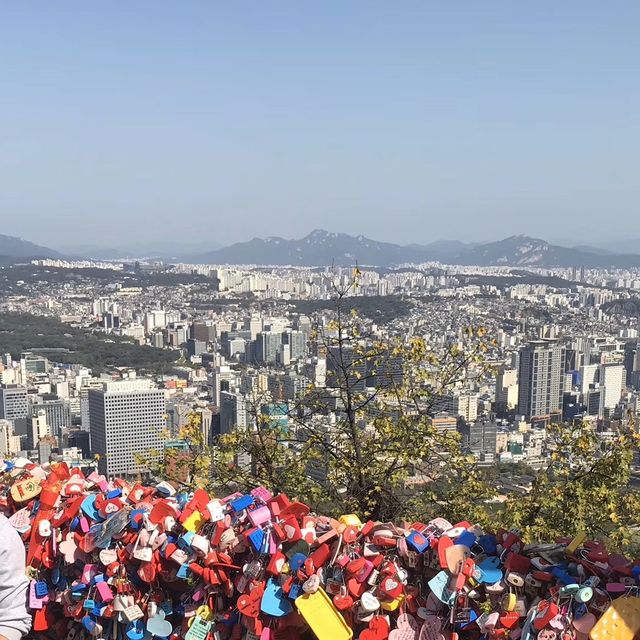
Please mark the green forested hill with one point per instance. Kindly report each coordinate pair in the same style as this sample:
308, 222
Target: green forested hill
22, 332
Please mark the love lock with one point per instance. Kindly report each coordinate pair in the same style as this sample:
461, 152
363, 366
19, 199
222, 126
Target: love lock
407, 628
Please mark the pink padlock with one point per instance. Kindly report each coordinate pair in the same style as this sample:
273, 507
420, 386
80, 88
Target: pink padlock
105, 591
259, 516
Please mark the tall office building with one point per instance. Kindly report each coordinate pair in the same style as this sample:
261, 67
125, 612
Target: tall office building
297, 341
9, 443
13, 402
588, 377
347, 368
14, 406
506, 390
541, 377
267, 346
56, 410
612, 376
480, 439
126, 418
233, 411
38, 428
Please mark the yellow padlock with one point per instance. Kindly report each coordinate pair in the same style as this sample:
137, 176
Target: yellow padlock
392, 605
350, 520
509, 601
193, 522
572, 547
205, 613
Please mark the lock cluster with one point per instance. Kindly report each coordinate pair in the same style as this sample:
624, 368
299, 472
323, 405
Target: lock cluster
115, 560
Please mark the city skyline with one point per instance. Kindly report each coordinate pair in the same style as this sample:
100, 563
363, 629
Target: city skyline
220, 123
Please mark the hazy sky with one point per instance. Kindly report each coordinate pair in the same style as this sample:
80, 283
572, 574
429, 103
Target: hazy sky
137, 121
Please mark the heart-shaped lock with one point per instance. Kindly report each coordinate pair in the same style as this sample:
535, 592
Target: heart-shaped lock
249, 603
585, 623
546, 612
390, 587
107, 556
343, 602
368, 602
407, 628
509, 619
135, 630
312, 584
378, 629
159, 627
431, 629
20, 519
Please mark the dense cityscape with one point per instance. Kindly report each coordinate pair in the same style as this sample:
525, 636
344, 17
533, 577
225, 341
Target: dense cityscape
319, 321
105, 361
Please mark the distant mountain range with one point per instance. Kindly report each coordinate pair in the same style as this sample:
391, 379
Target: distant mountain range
322, 248
12, 249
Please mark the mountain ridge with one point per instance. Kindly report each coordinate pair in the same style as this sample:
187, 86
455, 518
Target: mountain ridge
321, 248
12, 247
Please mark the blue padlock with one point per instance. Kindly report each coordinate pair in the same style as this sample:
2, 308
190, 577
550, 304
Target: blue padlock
418, 542
467, 538
489, 571
89, 623
297, 562
256, 538
242, 503
489, 544
184, 541
183, 572
295, 591
274, 602
562, 576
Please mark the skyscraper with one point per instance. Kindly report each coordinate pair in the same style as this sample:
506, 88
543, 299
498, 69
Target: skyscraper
541, 379
346, 368
233, 411
13, 402
268, 344
56, 410
14, 407
126, 418
612, 380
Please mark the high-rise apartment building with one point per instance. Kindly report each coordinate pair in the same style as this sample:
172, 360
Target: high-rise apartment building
126, 418
465, 405
540, 379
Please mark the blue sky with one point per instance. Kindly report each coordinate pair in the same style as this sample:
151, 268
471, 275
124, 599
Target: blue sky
404, 121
